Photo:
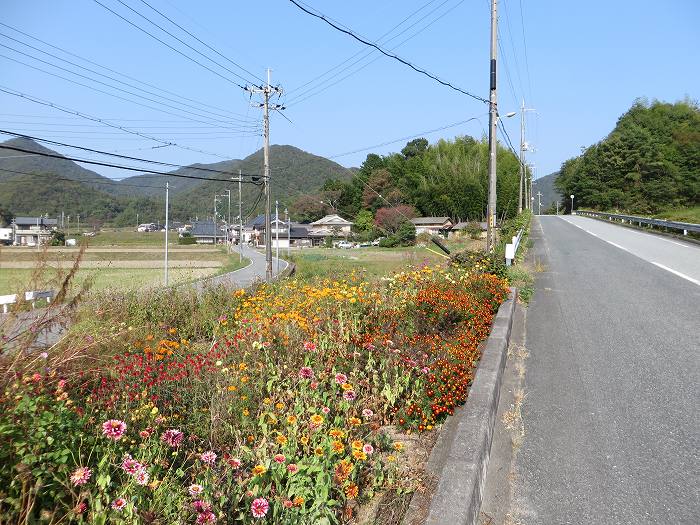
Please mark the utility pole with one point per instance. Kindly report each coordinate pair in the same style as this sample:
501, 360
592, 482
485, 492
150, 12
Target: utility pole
215, 196
167, 196
539, 203
557, 207
137, 221
523, 149
266, 91
229, 237
289, 230
493, 121
277, 235
78, 224
240, 220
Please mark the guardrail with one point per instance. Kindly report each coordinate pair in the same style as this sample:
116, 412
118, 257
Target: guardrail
512, 248
32, 296
685, 227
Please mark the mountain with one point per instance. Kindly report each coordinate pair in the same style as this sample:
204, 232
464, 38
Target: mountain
12, 161
550, 194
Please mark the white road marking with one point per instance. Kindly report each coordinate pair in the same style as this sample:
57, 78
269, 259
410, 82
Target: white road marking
679, 274
617, 245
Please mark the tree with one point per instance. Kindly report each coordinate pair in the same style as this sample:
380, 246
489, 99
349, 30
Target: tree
415, 148
364, 221
308, 208
390, 219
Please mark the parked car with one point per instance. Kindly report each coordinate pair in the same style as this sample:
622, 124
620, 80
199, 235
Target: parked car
376, 241
345, 244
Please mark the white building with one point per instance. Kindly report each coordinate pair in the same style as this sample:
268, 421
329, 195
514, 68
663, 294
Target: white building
30, 231
432, 225
330, 226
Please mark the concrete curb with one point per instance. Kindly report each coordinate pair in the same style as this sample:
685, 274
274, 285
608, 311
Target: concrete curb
460, 458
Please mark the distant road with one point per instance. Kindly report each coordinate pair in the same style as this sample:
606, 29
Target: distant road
612, 411
244, 277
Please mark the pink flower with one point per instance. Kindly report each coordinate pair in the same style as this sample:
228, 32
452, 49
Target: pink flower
279, 458
201, 506
62, 384
131, 466
235, 462
368, 449
36, 377
292, 468
142, 477
145, 434
195, 490
341, 378
113, 429
206, 517
80, 508
368, 346
173, 437
309, 346
326, 410
349, 395
313, 385
306, 373
367, 413
80, 476
208, 457
259, 507
119, 504
287, 504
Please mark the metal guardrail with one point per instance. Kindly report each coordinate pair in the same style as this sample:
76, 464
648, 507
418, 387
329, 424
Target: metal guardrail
674, 225
31, 296
512, 248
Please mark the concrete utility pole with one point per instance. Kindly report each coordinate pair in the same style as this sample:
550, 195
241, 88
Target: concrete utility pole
167, 196
240, 219
215, 196
289, 230
266, 91
229, 237
523, 149
539, 203
277, 235
493, 121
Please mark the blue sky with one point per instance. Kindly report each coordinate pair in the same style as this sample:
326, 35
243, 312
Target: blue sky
586, 63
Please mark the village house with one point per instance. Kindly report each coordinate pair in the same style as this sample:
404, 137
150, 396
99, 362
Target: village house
254, 233
462, 229
206, 231
332, 226
432, 225
30, 231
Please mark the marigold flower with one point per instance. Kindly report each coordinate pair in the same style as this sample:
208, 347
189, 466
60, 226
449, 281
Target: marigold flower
316, 420
208, 457
346, 386
336, 433
279, 406
391, 457
351, 491
113, 429
398, 446
292, 468
258, 470
304, 440
259, 507
355, 421
319, 451
359, 455
279, 458
356, 445
232, 388
337, 446
80, 476
119, 504
195, 490
291, 419
282, 440
298, 501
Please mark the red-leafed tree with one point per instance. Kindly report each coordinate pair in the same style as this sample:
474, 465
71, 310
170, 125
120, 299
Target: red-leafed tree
389, 219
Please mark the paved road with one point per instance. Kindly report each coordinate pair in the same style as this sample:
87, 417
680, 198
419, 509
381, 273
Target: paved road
612, 413
244, 277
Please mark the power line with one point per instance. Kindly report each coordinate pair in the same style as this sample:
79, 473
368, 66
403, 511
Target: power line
232, 114
527, 63
202, 42
128, 168
388, 54
9, 91
174, 48
295, 100
77, 181
125, 157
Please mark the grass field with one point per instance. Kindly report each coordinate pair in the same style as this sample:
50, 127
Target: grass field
681, 214
116, 259
369, 262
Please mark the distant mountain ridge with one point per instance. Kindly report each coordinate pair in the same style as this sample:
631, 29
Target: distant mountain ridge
550, 194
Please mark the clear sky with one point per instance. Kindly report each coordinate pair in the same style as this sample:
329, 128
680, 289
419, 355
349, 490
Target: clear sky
579, 64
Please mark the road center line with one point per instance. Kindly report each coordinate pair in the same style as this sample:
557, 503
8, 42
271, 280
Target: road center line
679, 274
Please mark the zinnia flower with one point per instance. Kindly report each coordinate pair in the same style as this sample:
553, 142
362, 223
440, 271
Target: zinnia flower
287, 504
259, 507
341, 378
349, 395
367, 413
368, 449
119, 504
309, 346
173, 437
142, 477
326, 410
201, 506
195, 490
80, 476
206, 517
131, 466
208, 457
306, 373
279, 458
113, 429
292, 468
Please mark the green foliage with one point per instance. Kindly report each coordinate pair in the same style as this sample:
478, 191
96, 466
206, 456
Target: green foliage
186, 238
650, 161
58, 238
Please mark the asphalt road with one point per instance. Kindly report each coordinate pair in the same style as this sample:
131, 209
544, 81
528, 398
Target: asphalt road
611, 413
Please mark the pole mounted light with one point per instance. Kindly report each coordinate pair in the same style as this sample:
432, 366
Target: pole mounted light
572, 204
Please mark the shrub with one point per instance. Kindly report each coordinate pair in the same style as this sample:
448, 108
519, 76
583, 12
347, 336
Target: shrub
186, 238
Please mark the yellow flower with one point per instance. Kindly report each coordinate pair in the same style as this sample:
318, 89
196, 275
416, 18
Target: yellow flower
357, 445
172, 331
359, 455
337, 433
391, 457
244, 379
318, 451
346, 386
304, 440
282, 440
258, 470
267, 401
279, 406
246, 412
291, 419
354, 421
316, 419
398, 446
337, 446
242, 366
351, 491
232, 388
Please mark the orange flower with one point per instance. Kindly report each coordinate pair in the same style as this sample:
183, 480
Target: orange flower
359, 455
258, 470
336, 433
337, 446
319, 451
281, 439
291, 419
355, 421
298, 501
232, 388
398, 446
351, 491
346, 386
357, 445
316, 419
342, 470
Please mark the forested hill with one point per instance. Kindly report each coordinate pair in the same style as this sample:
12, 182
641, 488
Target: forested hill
550, 194
650, 161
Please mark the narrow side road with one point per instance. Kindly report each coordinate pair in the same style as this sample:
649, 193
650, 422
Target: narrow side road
246, 276
611, 412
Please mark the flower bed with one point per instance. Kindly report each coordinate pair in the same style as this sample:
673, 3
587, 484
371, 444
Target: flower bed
280, 417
